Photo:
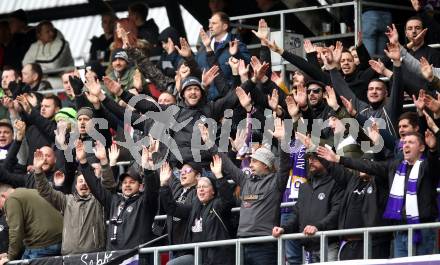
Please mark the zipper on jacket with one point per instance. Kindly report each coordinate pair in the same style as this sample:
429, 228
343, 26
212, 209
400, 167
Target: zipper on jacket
221, 221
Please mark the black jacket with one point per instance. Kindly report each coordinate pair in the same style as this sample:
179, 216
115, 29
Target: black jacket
185, 120
133, 225
214, 215
375, 199
177, 226
426, 182
319, 201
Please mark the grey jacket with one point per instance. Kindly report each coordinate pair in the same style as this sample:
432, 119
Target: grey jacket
260, 196
83, 223
412, 73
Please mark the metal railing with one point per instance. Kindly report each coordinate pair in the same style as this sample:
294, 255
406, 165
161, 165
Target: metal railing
322, 235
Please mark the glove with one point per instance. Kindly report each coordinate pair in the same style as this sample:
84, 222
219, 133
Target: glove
77, 85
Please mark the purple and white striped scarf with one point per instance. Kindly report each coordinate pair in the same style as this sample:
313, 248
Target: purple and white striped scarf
395, 201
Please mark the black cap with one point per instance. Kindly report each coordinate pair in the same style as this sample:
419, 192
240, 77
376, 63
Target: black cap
132, 172
316, 82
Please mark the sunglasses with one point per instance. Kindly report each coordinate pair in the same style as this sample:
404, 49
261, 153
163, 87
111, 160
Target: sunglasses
185, 171
314, 91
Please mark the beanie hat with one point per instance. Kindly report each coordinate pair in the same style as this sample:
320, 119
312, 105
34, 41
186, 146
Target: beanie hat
120, 53
265, 156
85, 111
190, 81
67, 114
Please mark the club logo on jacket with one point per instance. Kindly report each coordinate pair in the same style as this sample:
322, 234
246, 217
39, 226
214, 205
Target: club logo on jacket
370, 190
321, 196
129, 209
197, 227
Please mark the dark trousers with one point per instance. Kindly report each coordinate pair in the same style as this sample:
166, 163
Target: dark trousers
355, 250
260, 254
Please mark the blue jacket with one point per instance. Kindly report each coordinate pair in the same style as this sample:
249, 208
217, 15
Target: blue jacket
222, 54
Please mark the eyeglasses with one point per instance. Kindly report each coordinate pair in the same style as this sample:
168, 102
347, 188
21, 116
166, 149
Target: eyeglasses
314, 91
185, 171
203, 186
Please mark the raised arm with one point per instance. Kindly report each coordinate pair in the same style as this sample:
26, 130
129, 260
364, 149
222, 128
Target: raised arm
101, 194
149, 70
373, 168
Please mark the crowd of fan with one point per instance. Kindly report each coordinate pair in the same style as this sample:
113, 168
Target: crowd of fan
336, 142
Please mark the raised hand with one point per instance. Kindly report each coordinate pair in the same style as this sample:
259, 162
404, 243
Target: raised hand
210, 75
80, 152
58, 178
93, 86
113, 154
185, 49
147, 153
417, 41
359, 42
126, 42
114, 87
263, 31
60, 134
272, 100
348, 105
178, 81
24, 103
99, 151
426, 69
273, 46
77, 84
337, 52
432, 104
233, 63
165, 174
137, 80
430, 140
243, 69
278, 131
239, 141
245, 99
377, 66
300, 96
38, 161
32, 99
420, 101
306, 140
204, 133
327, 154
330, 97
216, 166
20, 130
292, 107
392, 34
169, 46
373, 133
233, 47
393, 52
276, 78
430, 122
308, 46
206, 40
259, 68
